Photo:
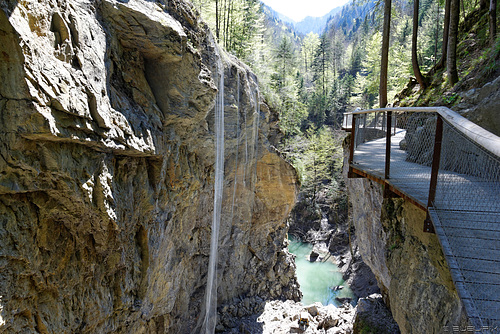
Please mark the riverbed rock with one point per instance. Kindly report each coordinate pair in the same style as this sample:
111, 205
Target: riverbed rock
282, 317
313, 256
107, 170
372, 316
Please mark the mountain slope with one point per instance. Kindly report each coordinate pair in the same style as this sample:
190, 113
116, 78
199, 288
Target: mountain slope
315, 24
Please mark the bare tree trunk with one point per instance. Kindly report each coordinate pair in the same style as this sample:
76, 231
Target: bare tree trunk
229, 14
463, 8
217, 23
414, 39
437, 34
446, 30
493, 20
452, 42
384, 63
224, 23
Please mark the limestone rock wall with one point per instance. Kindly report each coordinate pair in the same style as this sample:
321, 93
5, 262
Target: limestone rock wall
107, 170
409, 264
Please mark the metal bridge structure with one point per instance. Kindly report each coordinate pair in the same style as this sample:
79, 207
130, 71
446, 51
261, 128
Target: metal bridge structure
450, 168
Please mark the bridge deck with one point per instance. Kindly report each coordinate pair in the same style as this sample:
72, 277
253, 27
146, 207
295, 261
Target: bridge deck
468, 229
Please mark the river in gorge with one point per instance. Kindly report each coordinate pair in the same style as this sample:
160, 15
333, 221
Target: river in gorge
318, 280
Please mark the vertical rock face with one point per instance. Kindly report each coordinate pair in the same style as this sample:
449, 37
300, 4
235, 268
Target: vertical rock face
107, 168
409, 264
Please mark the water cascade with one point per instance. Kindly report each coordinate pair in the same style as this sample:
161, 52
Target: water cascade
210, 319
256, 133
237, 146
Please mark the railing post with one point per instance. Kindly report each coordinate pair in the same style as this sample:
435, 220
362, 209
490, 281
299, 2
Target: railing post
388, 146
436, 158
351, 149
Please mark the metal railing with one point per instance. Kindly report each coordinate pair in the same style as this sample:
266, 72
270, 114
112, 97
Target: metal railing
450, 168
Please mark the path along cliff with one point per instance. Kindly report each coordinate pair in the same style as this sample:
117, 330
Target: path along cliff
107, 171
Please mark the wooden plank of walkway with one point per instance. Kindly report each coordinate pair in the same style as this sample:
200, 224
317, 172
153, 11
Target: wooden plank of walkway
467, 223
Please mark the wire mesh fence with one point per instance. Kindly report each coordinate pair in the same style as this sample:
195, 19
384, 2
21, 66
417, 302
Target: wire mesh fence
412, 143
466, 206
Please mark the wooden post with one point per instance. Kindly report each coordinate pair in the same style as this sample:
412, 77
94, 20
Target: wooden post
436, 158
388, 146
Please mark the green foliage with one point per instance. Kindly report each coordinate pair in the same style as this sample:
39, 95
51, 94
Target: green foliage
451, 99
317, 156
311, 80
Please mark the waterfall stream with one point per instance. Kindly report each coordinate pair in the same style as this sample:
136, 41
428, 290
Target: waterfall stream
237, 135
210, 319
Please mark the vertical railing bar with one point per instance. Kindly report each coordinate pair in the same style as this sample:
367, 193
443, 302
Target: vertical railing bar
436, 159
388, 145
353, 134
394, 123
364, 123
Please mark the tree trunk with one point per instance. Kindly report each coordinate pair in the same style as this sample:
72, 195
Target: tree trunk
446, 30
493, 20
225, 19
437, 34
463, 9
384, 63
414, 57
217, 23
452, 42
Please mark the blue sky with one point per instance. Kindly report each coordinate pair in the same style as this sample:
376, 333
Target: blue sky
298, 9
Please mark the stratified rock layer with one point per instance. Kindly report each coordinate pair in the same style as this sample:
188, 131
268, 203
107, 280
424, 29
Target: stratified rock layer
107, 170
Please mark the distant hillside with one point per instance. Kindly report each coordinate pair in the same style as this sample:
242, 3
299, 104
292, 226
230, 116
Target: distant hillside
315, 24
351, 16
307, 25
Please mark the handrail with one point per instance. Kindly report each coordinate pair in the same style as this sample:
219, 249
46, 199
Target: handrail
450, 168
473, 131
480, 136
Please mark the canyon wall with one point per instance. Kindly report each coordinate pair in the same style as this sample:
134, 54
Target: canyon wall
107, 156
408, 263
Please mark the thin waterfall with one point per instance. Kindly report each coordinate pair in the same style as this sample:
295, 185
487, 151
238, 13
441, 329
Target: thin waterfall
210, 319
254, 148
246, 141
257, 113
237, 146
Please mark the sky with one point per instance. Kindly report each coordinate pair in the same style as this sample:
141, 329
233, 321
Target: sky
298, 9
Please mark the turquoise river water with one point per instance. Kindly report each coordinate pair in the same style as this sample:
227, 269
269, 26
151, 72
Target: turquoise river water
317, 279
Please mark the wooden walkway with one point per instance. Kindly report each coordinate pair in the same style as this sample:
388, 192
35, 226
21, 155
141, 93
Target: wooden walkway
466, 218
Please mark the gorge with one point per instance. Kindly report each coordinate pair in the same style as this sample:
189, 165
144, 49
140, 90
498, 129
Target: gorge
142, 189
108, 177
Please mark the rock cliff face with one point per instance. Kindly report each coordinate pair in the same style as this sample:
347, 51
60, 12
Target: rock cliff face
409, 264
107, 170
